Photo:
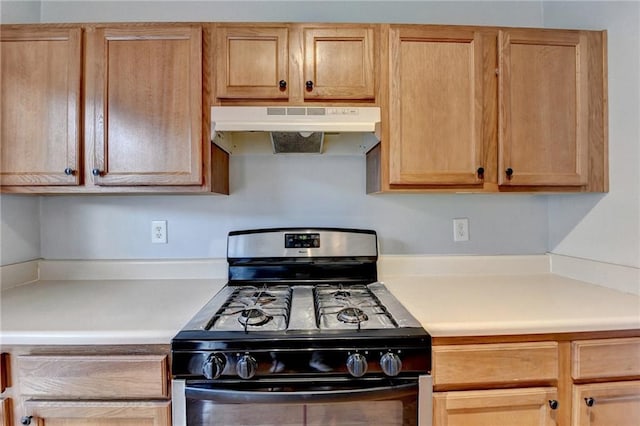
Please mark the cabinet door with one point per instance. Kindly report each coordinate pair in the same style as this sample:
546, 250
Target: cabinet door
96, 413
543, 104
435, 111
145, 87
521, 407
606, 404
339, 63
252, 62
40, 106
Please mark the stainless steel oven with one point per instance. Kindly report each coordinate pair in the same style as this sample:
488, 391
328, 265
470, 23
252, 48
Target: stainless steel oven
303, 334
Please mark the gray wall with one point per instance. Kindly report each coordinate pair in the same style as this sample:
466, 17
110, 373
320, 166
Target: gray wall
19, 228
606, 227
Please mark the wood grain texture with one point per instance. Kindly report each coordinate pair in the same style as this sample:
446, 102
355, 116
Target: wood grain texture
605, 358
146, 87
40, 105
500, 363
99, 413
435, 106
340, 63
250, 61
544, 107
495, 407
615, 403
93, 376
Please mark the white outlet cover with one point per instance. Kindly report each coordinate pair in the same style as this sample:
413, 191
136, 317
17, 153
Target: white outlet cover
159, 231
461, 229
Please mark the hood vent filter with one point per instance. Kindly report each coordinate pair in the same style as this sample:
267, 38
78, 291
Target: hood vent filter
297, 142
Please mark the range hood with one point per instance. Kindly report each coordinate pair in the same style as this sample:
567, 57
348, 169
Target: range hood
295, 119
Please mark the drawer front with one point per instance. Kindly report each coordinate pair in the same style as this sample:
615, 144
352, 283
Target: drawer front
605, 358
462, 366
92, 376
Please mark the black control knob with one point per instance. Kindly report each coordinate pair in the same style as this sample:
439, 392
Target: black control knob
69, 171
309, 85
480, 172
553, 404
246, 366
589, 401
25, 420
390, 364
213, 366
282, 84
509, 172
96, 172
357, 365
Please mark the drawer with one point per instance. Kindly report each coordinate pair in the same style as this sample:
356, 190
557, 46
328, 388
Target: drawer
462, 366
605, 358
93, 376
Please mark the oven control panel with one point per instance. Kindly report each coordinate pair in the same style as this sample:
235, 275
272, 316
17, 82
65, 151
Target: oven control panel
224, 364
302, 240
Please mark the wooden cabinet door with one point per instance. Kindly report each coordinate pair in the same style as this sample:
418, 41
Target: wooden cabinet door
252, 62
435, 110
144, 106
97, 413
339, 63
606, 404
543, 104
40, 106
521, 407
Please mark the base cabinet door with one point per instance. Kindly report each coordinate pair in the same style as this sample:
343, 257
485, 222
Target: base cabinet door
604, 404
96, 413
521, 407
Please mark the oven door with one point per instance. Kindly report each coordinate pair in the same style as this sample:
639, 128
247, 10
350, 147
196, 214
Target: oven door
299, 402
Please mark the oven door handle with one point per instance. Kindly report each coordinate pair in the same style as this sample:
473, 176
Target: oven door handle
266, 397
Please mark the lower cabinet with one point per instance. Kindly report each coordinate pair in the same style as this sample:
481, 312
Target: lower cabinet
561, 379
604, 404
90, 386
529, 406
99, 413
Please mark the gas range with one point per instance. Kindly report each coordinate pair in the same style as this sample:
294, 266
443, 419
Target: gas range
300, 303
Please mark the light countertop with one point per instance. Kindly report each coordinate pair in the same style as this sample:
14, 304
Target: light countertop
101, 311
484, 305
83, 311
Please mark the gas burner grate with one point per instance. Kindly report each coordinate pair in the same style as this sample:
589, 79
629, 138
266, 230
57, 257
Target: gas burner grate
253, 308
347, 306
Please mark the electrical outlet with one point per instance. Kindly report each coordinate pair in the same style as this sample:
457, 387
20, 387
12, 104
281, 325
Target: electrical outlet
461, 229
159, 231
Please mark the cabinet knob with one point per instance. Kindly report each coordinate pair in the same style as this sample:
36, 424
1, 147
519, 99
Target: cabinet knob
509, 172
96, 172
589, 401
309, 85
25, 420
553, 404
282, 84
480, 172
69, 171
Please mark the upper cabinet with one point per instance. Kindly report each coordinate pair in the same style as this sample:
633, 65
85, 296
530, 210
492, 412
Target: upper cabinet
544, 111
40, 103
103, 109
294, 62
487, 109
144, 105
435, 106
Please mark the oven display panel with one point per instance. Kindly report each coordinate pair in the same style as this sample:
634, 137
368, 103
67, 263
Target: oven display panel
301, 240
